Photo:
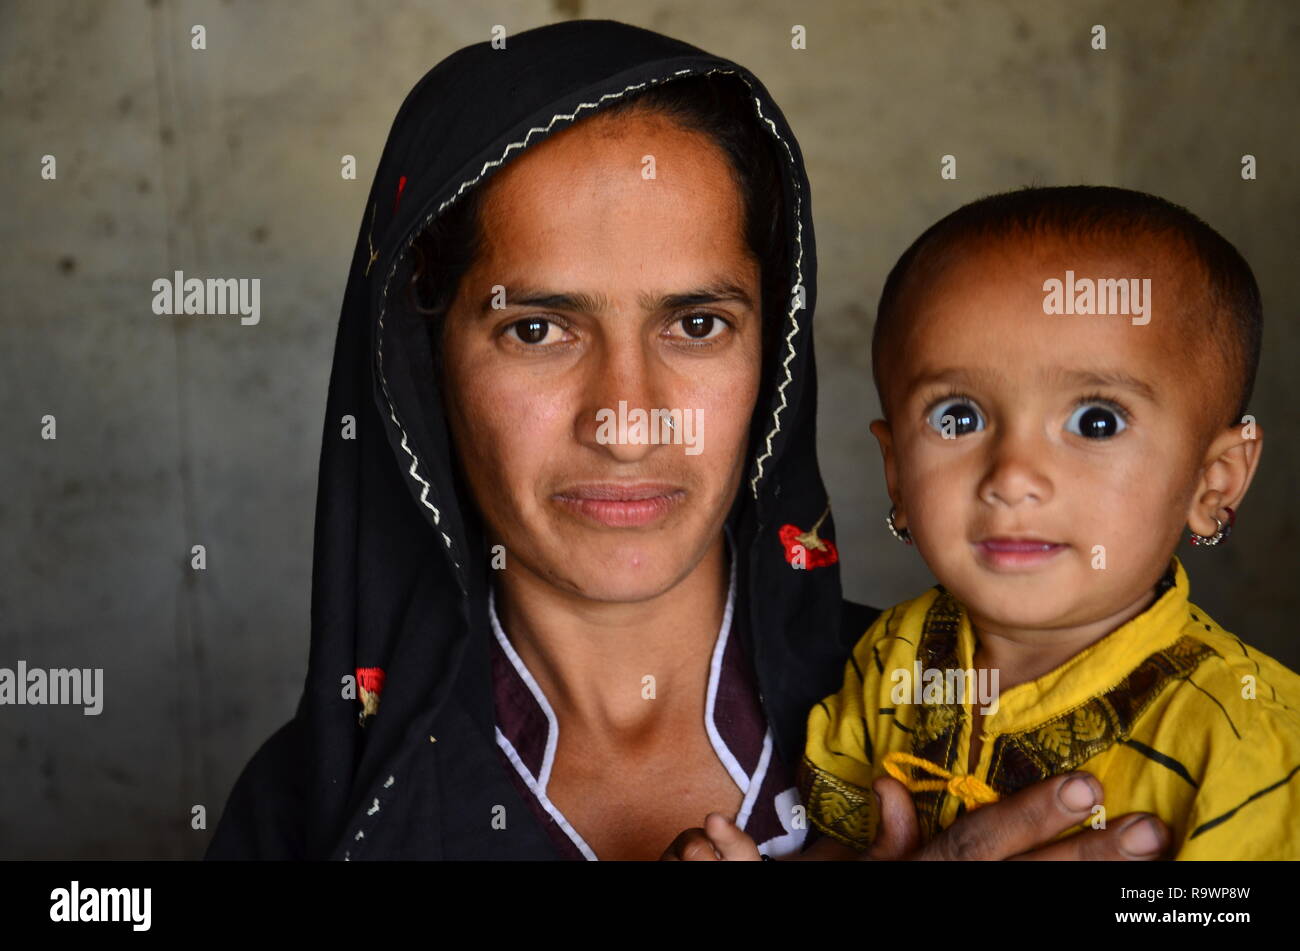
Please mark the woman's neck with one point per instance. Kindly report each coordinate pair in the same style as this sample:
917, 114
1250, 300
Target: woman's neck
591, 658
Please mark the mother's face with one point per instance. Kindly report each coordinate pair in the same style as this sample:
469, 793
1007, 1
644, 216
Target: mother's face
611, 287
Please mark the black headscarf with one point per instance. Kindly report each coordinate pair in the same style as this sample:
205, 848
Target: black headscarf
400, 574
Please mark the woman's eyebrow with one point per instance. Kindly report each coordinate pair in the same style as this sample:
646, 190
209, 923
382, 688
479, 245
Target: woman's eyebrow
713, 293
517, 296
581, 301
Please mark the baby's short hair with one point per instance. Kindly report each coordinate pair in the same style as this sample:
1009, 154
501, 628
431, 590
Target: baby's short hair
1233, 313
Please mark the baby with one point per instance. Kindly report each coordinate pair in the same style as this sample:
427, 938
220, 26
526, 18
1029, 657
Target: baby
1064, 374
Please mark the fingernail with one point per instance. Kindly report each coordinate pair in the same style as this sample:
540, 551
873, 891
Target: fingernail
1141, 838
1077, 794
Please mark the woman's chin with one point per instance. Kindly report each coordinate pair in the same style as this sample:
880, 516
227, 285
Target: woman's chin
635, 578
618, 570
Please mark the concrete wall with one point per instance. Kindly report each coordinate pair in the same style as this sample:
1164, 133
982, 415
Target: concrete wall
226, 162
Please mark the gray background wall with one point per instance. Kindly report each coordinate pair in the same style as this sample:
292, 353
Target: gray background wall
173, 432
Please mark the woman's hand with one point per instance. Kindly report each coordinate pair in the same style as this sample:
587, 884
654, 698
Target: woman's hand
1022, 826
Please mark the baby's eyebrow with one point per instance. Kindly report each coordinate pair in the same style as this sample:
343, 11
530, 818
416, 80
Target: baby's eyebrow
1115, 378
975, 376
959, 375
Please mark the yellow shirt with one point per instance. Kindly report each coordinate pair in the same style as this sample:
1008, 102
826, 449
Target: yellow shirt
1173, 714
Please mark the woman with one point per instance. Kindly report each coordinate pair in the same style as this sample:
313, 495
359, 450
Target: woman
574, 634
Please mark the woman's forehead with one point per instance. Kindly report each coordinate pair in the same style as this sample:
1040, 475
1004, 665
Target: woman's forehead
615, 160
598, 207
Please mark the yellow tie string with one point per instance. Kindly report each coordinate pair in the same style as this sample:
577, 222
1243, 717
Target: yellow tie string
972, 791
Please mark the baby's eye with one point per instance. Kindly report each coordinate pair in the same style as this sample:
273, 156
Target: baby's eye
535, 331
956, 417
1096, 421
700, 326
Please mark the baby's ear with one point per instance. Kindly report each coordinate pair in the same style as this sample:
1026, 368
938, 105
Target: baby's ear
885, 437
1226, 472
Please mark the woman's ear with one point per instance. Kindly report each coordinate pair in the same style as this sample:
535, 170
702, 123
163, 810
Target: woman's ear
885, 436
1229, 466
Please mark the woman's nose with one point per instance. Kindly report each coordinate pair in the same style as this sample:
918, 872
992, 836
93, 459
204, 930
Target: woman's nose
621, 393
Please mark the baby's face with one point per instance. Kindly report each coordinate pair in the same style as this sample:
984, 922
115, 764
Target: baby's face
1072, 442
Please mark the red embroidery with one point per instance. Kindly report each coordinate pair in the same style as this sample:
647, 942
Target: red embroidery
401, 183
370, 683
807, 550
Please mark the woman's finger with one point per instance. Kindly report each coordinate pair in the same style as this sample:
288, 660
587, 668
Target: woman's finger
1136, 838
1032, 817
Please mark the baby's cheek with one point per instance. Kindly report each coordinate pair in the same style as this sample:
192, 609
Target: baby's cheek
1121, 523
938, 506
939, 472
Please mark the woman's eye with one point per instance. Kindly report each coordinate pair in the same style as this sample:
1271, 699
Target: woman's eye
1095, 421
534, 331
953, 418
701, 326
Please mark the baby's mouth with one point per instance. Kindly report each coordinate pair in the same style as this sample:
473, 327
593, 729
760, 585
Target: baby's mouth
1016, 552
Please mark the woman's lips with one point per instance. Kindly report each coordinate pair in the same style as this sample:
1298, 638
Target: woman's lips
621, 506
1002, 552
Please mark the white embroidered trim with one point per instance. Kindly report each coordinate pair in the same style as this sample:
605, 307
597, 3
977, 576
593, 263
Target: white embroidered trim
552, 723
538, 783
795, 291
756, 784
586, 850
733, 767
751, 786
